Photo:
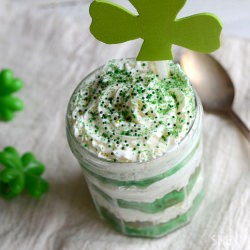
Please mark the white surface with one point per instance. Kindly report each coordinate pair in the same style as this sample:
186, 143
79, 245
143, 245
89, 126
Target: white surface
233, 13
51, 54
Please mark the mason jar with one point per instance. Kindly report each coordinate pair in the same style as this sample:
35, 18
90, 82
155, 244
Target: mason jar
146, 199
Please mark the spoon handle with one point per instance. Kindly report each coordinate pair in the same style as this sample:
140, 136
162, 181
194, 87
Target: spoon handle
241, 125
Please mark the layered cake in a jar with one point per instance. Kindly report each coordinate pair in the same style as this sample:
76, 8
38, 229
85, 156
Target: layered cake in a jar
136, 130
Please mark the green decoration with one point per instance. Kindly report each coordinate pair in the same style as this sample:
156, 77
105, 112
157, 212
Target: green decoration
9, 104
157, 25
21, 173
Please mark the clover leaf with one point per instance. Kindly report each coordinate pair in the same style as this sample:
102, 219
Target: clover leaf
157, 25
9, 104
21, 173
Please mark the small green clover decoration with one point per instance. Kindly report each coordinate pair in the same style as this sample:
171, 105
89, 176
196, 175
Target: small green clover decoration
21, 173
9, 104
157, 25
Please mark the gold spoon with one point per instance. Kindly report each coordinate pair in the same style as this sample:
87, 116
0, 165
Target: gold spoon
213, 85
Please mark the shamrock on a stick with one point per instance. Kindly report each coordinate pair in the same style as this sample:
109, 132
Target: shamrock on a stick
9, 104
21, 173
157, 25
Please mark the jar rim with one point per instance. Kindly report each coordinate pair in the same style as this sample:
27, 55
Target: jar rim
105, 161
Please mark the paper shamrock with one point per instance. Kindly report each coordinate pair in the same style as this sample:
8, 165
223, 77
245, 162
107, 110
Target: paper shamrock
157, 25
21, 173
9, 104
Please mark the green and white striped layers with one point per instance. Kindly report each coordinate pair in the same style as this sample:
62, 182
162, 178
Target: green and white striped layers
154, 206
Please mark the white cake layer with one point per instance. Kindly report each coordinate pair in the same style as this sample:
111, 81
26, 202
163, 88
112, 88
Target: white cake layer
156, 190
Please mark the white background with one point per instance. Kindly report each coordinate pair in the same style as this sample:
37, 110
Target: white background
235, 14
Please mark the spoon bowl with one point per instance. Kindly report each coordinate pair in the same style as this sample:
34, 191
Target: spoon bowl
213, 85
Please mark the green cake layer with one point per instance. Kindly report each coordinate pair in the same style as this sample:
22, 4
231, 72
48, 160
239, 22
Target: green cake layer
148, 229
158, 205
147, 182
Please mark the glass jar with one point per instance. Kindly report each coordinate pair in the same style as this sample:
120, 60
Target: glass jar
146, 199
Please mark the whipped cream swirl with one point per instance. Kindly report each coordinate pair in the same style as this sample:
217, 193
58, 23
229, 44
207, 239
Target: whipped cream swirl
133, 111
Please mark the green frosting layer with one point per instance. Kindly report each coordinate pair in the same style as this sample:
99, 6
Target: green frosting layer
158, 205
147, 229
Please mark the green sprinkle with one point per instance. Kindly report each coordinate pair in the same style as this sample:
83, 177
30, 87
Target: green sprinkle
114, 97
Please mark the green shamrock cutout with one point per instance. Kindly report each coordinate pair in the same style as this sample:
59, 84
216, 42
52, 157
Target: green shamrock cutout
21, 173
9, 104
157, 25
